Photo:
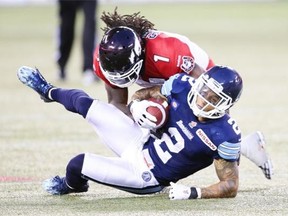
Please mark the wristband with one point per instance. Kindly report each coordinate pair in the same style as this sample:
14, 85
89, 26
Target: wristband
131, 103
195, 193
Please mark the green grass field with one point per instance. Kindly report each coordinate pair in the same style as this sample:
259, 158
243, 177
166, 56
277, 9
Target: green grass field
37, 140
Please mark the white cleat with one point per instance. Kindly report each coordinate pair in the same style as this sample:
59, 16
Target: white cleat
253, 147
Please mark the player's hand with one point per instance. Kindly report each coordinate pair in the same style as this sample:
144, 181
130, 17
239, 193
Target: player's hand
139, 112
179, 192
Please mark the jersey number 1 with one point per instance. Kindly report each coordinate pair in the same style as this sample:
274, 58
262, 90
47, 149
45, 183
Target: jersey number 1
160, 58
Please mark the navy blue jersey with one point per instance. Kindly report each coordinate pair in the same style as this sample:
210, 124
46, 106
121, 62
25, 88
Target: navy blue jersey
188, 145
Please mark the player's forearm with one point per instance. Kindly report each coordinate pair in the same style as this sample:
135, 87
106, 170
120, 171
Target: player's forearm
228, 175
223, 189
118, 97
146, 93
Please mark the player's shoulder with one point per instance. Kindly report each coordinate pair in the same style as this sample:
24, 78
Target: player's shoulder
154, 40
229, 126
224, 129
177, 84
158, 37
180, 83
151, 34
182, 79
228, 137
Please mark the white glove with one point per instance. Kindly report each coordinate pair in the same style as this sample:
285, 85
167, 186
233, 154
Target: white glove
140, 114
179, 192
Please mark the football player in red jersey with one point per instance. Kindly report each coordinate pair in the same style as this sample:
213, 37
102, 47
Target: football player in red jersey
133, 51
143, 55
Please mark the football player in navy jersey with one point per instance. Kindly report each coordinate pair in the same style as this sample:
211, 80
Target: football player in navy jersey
197, 134
133, 51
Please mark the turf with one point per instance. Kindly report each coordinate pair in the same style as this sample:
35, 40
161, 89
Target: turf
37, 140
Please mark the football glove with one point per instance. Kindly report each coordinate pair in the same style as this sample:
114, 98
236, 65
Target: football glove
182, 192
139, 112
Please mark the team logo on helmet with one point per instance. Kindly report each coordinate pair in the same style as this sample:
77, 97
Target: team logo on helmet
146, 176
187, 64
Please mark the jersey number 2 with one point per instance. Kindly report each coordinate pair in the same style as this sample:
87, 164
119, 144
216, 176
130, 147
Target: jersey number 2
172, 147
234, 126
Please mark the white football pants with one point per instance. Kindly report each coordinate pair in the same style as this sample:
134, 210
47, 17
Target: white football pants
125, 138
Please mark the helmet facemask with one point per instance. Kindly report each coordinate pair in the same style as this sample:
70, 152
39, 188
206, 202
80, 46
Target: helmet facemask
214, 102
126, 79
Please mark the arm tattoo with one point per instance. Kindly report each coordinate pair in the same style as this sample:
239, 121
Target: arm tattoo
227, 173
146, 93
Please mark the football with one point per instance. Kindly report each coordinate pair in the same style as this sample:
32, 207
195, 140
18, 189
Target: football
160, 111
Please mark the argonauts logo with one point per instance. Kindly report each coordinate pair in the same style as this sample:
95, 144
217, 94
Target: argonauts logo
146, 176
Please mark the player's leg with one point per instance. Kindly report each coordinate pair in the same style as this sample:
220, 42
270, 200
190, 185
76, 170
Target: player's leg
253, 147
131, 175
73, 182
115, 129
105, 118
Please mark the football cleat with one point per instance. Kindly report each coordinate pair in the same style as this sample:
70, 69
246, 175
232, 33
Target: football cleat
253, 147
34, 79
58, 186
267, 169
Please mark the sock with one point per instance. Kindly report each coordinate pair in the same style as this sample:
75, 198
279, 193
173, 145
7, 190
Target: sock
73, 172
73, 100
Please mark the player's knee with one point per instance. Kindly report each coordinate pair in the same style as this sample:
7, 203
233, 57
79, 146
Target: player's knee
74, 176
75, 165
83, 104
